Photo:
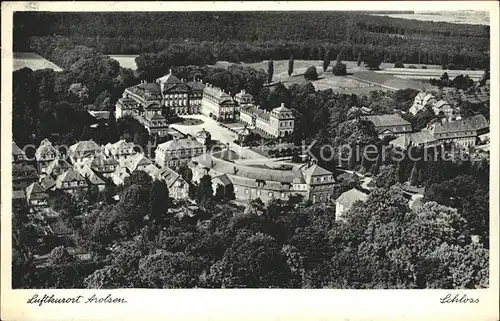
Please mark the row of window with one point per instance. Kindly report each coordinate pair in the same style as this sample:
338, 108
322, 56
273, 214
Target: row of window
286, 124
259, 193
193, 151
74, 184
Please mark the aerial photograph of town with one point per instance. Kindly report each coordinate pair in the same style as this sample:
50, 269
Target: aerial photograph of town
251, 149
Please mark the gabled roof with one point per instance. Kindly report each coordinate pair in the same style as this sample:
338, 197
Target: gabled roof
149, 86
386, 120
45, 148
85, 146
152, 171
16, 150
169, 176
116, 147
223, 180
47, 182
416, 138
255, 111
35, 191
350, 197
101, 160
93, 178
57, 163
242, 94
69, 176
137, 160
168, 79
313, 171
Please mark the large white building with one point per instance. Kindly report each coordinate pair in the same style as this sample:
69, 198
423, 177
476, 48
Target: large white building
279, 122
217, 104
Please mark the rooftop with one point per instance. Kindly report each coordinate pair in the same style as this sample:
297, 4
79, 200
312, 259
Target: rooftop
69, 176
169, 176
416, 138
168, 79
473, 123
85, 146
183, 143
386, 120
350, 197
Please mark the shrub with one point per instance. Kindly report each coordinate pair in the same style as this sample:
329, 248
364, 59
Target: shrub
339, 69
399, 64
311, 73
412, 67
424, 67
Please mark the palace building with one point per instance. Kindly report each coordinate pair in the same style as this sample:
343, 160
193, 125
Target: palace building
279, 122
217, 104
149, 102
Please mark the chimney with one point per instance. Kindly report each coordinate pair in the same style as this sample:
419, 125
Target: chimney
212, 164
243, 91
282, 104
235, 170
170, 70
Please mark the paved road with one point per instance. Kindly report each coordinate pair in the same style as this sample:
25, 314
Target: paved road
219, 133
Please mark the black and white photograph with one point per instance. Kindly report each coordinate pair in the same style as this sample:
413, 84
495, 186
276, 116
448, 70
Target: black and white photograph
251, 150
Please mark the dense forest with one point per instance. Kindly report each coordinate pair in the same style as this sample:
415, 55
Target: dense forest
252, 36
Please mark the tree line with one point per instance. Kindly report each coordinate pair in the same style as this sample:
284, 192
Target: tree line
250, 37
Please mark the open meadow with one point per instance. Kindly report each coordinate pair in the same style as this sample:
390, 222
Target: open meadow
32, 61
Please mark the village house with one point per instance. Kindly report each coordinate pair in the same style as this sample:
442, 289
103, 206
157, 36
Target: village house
346, 200
279, 122
45, 154
92, 177
137, 162
251, 181
121, 151
103, 166
36, 195
442, 107
178, 188
71, 182
23, 175
389, 125
18, 155
422, 101
57, 167
178, 151
217, 104
83, 152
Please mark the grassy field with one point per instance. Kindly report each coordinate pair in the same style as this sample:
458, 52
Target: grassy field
32, 61
126, 61
451, 17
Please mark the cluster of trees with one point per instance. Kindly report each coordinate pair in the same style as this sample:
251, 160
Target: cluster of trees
286, 244
459, 82
250, 37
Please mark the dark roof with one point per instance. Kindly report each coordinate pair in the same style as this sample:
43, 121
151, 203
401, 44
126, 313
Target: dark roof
223, 179
21, 168
473, 123
255, 111
386, 120
101, 114
168, 79
47, 182
169, 176
35, 191
101, 160
416, 138
150, 86
196, 85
